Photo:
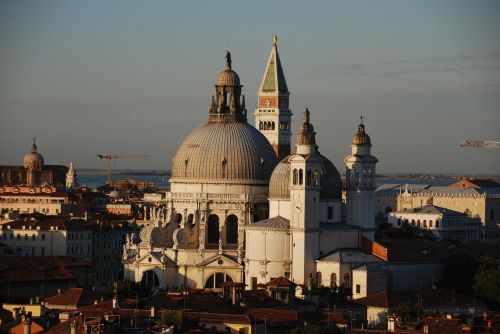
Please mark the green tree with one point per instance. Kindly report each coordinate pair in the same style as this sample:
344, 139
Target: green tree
487, 280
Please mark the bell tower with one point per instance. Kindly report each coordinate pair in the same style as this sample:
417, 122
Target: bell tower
273, 116
360, 183
304, 184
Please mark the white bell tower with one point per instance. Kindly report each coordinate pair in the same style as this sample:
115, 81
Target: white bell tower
305, 167
360, 183
273, 117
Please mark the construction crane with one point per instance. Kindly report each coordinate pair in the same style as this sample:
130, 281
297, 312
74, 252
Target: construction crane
110, 157
480, 143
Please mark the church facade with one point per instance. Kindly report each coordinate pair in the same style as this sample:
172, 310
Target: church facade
241, 207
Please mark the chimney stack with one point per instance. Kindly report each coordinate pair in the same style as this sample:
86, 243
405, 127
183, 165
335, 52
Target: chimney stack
27, 325
73, 327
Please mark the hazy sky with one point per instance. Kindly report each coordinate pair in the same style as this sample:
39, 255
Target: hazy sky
90, 77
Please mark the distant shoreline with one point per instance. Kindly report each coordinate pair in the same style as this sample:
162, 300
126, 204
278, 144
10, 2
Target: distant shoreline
419, 176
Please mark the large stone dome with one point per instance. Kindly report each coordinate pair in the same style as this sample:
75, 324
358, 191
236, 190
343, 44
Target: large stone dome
226, 149
331, 184
224, 152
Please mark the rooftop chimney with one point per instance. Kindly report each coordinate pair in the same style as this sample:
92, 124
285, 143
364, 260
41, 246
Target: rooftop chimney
73, 327
27, 326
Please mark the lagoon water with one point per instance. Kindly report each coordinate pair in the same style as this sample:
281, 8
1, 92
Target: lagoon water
95, 180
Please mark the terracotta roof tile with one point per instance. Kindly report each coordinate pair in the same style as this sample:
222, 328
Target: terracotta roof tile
31, 268
74, 297
19, 328
65, 327
280, 281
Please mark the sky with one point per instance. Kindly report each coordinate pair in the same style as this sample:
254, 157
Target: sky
125, 76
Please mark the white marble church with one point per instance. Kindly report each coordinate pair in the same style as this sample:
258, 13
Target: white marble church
242, 207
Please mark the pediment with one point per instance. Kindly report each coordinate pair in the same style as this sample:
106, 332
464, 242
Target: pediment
155, 259
220, 260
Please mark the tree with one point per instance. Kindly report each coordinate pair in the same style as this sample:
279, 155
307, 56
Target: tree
487, 280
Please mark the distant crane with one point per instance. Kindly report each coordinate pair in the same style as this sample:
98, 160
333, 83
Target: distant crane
480, 143
111, 157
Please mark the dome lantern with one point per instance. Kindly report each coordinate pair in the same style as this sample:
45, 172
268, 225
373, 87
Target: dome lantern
361, 138
306, 138
228, 106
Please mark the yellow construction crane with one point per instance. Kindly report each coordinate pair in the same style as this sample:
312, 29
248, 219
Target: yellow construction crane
110, 157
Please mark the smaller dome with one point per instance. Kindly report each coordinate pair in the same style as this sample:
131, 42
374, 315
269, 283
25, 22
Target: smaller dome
331, 184
33, 156
361, 138
228, 77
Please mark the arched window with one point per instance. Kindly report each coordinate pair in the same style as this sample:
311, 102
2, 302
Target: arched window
430, 223
178, 219
308, 177
425, 223
319, 279
295, 176
399, 221
213, 229
492, 214
315, 178
215, 280
347, 283
190, 220
232, 229
333, 280
301, 177
272, 126
260, 125
150, 279
437, 223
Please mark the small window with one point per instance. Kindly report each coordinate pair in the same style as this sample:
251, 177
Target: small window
319, 279
358, 288
43, 236
330, 213
301, 177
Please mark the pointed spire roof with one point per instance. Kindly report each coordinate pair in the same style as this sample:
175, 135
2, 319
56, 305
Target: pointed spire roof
274, 79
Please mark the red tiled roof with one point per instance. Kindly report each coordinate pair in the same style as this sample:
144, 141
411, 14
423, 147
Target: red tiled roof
200, 300
280, 281
74, 297
19, 329
224, 318
31, 268
64, 327
324, 317
378, 299
429, 298
272, 315
416, 250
